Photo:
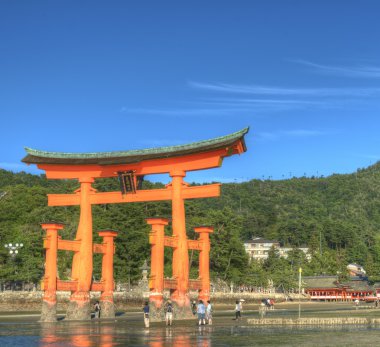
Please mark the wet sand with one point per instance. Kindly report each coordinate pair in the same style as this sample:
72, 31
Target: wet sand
23, 329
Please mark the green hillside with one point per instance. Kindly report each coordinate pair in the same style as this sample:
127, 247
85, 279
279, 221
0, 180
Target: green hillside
338, 217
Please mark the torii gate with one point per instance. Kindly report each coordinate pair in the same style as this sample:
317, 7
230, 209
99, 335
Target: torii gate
129, 166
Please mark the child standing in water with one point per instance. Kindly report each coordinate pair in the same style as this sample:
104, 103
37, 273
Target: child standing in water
146, 314
97, 309
238, 310
209, 312
169, 313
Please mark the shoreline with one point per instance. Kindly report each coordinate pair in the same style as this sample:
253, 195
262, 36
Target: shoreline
29, 301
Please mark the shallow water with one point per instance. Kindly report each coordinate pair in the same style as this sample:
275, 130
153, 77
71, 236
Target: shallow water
120, 334
128, 330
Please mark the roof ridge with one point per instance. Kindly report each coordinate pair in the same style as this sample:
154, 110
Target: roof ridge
113, 154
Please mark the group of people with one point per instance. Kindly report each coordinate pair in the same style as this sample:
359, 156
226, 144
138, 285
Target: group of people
268, 304
203, 311
169, 309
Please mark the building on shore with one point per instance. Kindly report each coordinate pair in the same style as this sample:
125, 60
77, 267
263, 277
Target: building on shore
258, 248
356, 270
330, 288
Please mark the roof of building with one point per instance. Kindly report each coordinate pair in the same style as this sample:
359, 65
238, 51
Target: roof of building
260, 240
320, 282
357, 285
132, 156
332, 282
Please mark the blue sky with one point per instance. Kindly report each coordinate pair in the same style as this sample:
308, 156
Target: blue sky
94, 76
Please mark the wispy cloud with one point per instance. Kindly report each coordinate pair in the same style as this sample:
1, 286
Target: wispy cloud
282, 91
149, 143
250, 102
360, 71
187, 111
222, 108
305, 133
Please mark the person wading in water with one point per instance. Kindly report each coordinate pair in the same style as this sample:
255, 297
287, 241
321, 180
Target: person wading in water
97, 309
146, 314
169, 313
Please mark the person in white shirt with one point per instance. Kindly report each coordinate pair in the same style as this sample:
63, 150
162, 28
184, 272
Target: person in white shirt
238, 310
209, 312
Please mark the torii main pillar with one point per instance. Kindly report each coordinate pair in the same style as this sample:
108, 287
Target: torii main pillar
204, 261
49, 303
79, 306
157, 240
106, 299
180, 253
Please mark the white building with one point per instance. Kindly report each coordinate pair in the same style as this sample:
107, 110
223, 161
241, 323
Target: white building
258, 248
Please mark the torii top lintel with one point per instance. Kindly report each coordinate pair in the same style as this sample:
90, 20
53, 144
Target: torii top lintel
194, 156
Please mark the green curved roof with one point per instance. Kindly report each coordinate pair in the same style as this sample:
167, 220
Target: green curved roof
132, 156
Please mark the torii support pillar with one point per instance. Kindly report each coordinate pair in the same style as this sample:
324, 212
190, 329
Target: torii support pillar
106, 299
79, 306
49, 303
156, 239
204, 261
180, 253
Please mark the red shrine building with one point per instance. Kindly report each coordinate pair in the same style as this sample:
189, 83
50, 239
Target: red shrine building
330, 288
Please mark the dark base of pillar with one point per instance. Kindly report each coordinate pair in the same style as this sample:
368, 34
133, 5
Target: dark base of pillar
48, 312
157, 314
79, 307
182, 305
182, 312
107, 309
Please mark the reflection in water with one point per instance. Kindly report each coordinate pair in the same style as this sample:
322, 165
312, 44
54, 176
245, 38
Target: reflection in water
203, 338
49, 334
181, 340
160, 338
131, 332
80, 337
106, 336
109, 335
180, 337
78, 334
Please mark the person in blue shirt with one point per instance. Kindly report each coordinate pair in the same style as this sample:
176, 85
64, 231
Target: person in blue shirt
201, 310
146, 314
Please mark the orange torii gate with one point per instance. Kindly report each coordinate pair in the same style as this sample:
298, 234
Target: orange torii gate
130, 166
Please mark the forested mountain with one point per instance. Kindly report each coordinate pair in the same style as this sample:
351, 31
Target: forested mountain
338, 217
